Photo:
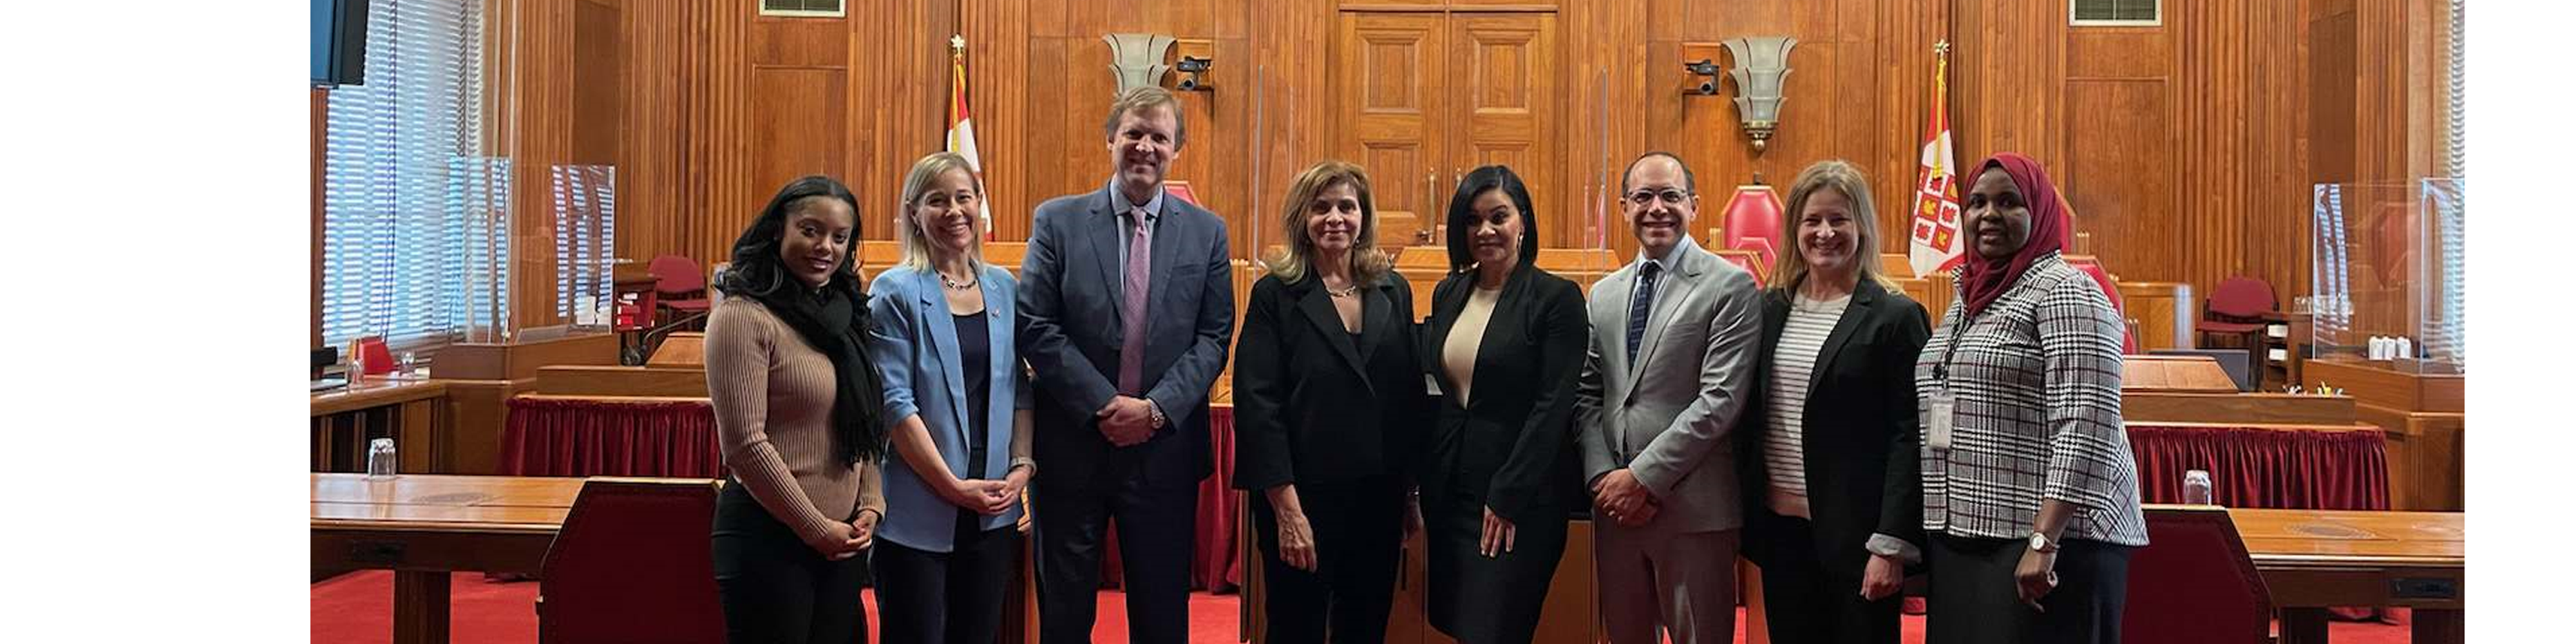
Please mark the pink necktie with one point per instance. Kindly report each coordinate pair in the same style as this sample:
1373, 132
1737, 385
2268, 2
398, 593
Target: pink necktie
1131, 358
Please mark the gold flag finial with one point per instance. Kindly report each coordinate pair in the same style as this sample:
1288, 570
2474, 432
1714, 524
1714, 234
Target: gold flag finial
956, 45
1942, 47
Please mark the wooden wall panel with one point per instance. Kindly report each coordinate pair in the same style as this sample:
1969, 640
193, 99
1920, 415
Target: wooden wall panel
802, 126
652, 182
2121, 185
2238, 107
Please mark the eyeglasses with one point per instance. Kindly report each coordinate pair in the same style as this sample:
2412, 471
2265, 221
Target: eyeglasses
1644, 198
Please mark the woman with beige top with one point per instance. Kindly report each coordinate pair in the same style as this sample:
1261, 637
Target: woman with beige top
961, 409
1504, 342
800, 418
1833, 508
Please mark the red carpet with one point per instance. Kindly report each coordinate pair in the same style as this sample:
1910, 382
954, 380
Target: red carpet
357, 608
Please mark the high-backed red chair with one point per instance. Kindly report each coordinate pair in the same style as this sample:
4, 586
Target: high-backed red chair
1752, 223
2194, 582
678, 286
632, 565
2236, 310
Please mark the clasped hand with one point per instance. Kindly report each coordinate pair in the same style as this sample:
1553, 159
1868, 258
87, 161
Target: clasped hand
1627, 501
1126, 420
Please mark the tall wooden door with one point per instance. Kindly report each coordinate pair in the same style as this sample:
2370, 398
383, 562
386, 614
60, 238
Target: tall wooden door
1427, 96
1390, 68
1506, 107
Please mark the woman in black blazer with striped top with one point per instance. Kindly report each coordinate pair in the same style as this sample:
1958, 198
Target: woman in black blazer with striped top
1833, 504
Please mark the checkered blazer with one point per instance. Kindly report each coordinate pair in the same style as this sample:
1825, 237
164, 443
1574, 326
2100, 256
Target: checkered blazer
2036, 379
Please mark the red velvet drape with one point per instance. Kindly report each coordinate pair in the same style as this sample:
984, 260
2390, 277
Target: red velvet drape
2251, 467
560, 437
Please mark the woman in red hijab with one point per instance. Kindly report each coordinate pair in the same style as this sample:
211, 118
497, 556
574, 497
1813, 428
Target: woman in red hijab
2030, 498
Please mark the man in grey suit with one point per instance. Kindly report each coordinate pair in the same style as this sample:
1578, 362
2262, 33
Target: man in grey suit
1665, 380
1126, 306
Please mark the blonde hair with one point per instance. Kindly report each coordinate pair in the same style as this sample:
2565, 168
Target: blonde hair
1368, 263
1141, 98
925, 173
1841, 177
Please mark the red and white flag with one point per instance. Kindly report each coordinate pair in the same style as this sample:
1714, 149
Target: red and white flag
1936, 242
961, 130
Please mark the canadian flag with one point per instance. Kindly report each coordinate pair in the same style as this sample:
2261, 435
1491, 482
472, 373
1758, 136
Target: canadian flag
961, 129
1935, 227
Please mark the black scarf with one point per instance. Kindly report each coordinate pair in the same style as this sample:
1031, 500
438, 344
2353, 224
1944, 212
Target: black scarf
835, 323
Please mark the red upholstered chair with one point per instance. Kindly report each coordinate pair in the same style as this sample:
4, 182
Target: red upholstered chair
1752, 223
2236, 310
678, 286
2193, 582
632, 566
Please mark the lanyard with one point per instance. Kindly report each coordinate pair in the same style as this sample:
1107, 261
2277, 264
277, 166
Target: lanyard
1958, 329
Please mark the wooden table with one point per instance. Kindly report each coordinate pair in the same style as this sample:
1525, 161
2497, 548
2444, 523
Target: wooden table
2313, 559
424, 526
340, 426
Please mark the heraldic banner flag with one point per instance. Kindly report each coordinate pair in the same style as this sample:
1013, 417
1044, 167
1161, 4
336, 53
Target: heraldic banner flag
961, 130
1936, 241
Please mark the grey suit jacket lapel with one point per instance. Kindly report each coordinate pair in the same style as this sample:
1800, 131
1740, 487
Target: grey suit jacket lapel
1104, 253
1670, 289
1166, 256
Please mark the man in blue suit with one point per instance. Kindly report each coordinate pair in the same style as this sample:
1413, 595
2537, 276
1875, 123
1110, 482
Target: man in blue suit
1126, 307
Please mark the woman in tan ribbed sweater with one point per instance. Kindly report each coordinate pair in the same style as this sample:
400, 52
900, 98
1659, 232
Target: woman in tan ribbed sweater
799, 415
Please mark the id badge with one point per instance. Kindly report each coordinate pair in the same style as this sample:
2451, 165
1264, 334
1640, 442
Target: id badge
1936, 424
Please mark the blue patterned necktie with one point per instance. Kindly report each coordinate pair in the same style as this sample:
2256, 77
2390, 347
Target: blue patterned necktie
1640, 305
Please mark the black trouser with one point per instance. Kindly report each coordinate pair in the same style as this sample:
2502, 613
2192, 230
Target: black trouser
774, 588
1803, 604
1974, 597
1359, 530
1154, 547
953, 597
1480, 600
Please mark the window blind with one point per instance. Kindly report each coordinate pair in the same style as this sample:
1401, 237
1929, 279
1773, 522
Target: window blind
415, 214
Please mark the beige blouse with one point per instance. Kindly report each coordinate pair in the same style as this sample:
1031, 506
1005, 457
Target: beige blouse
1458, 353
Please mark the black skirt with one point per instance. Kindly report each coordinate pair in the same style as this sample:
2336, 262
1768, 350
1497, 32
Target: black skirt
1478, 600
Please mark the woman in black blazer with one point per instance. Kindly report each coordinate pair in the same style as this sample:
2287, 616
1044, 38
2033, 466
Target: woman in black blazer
1329, 404
1505, 344
1833, 505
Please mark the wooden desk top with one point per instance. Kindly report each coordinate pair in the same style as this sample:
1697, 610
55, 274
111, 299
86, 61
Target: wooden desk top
376, 391
443, 503
2196, 374
443, 490
2282, 539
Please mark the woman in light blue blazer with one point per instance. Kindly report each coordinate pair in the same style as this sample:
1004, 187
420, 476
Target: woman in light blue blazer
961, 407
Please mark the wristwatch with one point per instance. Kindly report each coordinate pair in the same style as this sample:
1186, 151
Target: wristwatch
2039, 543
1159, 419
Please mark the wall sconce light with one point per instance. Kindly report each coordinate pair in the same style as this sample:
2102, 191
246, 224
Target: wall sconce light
1137, 59
1706, 72
1761, 69
1194, 66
